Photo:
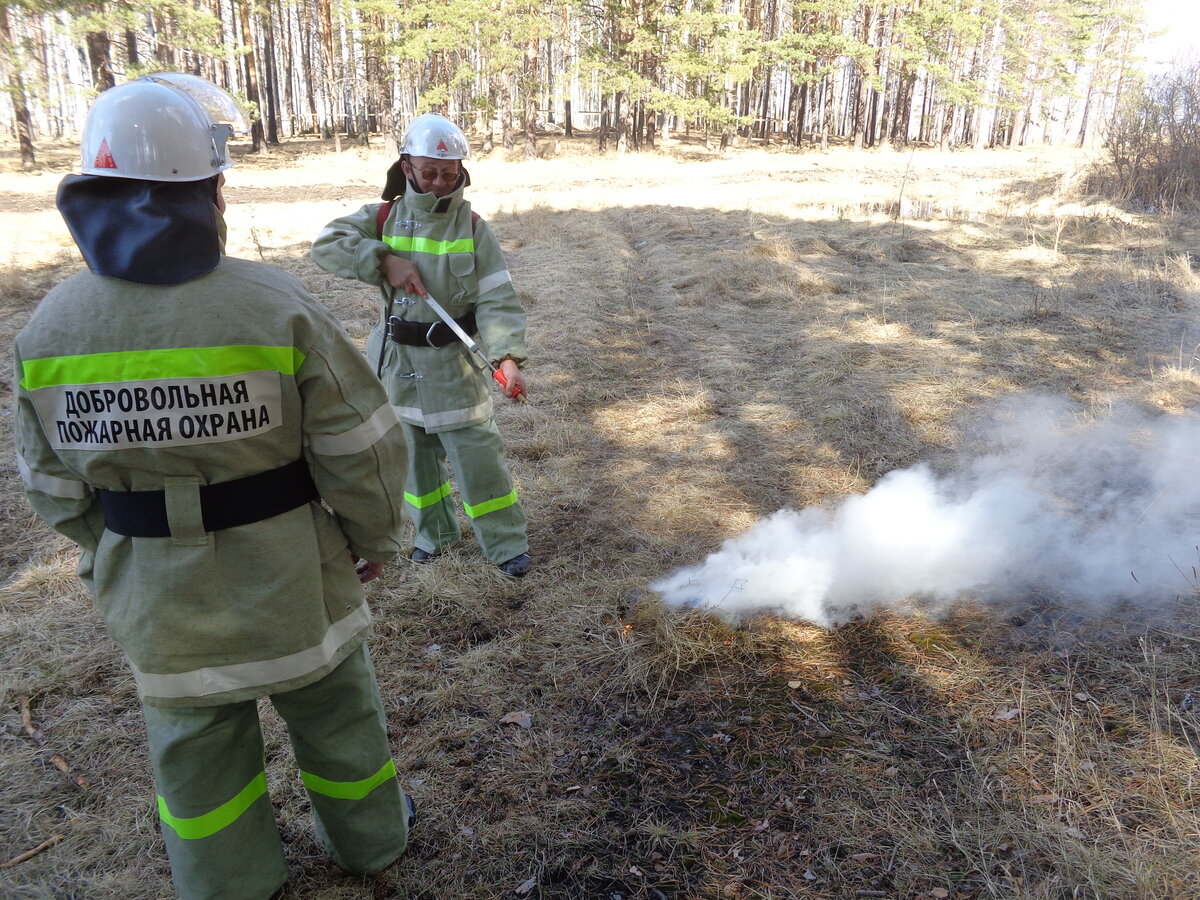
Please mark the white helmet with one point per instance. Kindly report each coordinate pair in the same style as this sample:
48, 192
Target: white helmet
435, 136
166, 127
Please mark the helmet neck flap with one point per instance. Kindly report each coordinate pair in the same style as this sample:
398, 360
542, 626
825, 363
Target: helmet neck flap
149, 232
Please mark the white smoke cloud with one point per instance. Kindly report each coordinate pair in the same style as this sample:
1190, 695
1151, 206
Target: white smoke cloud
1099, 511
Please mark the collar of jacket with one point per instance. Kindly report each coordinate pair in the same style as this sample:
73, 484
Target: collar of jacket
431, 203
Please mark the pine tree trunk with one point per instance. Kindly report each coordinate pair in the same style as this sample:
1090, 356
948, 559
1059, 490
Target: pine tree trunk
827, 112
529, 116
12, 75
800, 107
378, 86
286, 84
1020, 118
54, 110
872, 130
307, 55
769, 35
903, 115
219, 67
330, 83
506, 112
605, 117
945, 125
622, 122
489, 129
250, 68
285, 71
162, 49
764, 130
551, 72
859, 117
99, 60
1083, 125
272, 93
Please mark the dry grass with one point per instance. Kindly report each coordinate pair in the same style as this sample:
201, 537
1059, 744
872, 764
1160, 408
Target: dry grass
713, 338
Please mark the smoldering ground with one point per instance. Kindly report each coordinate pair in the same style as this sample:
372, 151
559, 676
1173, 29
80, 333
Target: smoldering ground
1096, 511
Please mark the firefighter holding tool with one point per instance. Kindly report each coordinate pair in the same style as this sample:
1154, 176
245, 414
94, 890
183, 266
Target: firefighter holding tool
443, 283
207, 433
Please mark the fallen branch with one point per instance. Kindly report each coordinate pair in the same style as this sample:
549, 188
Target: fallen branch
809, 715
63, 766
30, 854
27, 721
56, 759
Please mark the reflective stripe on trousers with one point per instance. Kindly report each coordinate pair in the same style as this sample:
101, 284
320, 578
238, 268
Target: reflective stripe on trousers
208, 824
218, 823
489, 498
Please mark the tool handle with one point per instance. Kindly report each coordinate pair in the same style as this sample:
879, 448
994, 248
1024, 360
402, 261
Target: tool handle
519, 397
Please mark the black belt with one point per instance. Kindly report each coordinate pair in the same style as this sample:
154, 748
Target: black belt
428, 334
224, 505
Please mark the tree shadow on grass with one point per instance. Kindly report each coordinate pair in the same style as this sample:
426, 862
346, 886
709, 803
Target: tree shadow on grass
721, 366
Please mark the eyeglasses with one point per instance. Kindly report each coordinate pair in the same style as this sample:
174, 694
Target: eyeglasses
432, 176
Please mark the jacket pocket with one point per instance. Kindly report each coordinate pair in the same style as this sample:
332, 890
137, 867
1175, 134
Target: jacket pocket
374, 345
466, 282
331, 540
343, 594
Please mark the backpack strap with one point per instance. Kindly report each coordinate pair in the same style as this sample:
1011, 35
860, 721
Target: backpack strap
385, 210
381, 217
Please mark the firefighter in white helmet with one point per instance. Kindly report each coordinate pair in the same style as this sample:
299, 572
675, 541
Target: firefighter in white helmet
425, 241
181, 416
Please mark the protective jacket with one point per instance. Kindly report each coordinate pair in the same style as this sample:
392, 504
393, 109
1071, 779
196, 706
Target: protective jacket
171, 388
463, 268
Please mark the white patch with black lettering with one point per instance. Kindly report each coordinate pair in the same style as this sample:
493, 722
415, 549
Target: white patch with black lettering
166, 412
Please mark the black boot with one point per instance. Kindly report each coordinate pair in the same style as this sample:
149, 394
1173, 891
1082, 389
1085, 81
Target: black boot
518, 566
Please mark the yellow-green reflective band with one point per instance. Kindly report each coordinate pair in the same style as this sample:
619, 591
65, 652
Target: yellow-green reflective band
429, 245
487, 506
211, 822
428, 499
348, 790
146, 365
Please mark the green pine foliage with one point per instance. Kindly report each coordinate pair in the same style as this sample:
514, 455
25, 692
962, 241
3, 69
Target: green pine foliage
949, 72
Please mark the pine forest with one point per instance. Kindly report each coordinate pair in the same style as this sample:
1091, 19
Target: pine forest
946, 73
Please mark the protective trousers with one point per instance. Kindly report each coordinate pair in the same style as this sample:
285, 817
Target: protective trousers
476, 455
217, 820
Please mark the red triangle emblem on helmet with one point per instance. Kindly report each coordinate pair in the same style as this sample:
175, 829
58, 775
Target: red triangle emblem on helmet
442, 146
104, 159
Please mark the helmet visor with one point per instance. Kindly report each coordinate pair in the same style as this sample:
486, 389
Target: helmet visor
220, 108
